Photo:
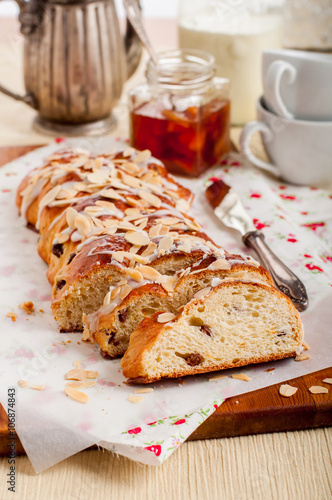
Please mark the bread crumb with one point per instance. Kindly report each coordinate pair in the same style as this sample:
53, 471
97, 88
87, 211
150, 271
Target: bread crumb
37, 387
144, 390
287, 390
327, 380
23, 383
241, 376
135, 399
28, 307
12, 316
318, 389
301, 357
269, 370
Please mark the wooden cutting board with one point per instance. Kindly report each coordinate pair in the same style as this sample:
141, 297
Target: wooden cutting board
255, 412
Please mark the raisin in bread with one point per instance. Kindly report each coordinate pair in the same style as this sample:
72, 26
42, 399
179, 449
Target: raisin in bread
230, 325
112, 325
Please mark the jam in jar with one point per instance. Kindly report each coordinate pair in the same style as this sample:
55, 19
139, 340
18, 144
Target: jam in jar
182, 112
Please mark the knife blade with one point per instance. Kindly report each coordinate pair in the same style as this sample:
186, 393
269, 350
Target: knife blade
228, 207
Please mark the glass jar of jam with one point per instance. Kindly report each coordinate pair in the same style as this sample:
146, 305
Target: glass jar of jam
182, 112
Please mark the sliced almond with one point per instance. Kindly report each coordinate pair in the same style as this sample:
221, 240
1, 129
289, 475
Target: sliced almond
133, 202
97, 222
133, 212
217, 377
136, 238
163, 230
106, 204
169, 221
149, 250
98, 177
77, 363
23, 383
327, 380
124, 291
91, 374
202, 293
241, 376
142, 225
165, 244
287, 390
75, 374
143, 156
305, 345
165, 317
83, 225
131, 181
129, 151
144, 390
134, 248
37, 387
76, 395
107, 299
318, 389
134, 274
135, 399
93, 210
154, 230
81, 385
71, 215
50, 196
62, 237
114, 292
150, 273
150, 198
110, 193
131, 167
220, 264
301, 357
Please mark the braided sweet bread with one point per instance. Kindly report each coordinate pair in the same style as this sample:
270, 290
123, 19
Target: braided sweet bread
120, 247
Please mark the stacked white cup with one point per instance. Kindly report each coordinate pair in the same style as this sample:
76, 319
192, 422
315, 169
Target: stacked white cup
294, 117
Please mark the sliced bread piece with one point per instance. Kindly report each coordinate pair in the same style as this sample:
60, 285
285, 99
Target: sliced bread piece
235, 324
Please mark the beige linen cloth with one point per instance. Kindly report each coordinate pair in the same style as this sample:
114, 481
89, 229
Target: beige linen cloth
280, 466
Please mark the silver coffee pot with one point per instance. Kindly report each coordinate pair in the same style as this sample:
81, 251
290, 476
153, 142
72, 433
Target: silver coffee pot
75, 63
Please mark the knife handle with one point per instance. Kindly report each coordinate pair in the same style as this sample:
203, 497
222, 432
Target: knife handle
283, 277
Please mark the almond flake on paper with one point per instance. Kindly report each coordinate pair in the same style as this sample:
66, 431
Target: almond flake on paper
241, 376
135, 399
76, 395
301, 357
37, 387
23, 383
144, 390
81, 385
76, 374
91, 374
327, 380
217, 377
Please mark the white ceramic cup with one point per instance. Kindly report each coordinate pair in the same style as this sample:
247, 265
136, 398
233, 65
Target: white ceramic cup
300, 151
298, 84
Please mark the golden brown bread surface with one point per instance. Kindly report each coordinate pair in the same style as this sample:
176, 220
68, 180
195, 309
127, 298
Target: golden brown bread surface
100, 216
233, 324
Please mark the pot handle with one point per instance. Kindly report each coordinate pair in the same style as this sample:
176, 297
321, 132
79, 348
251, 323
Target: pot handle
27, 98
133, 47
30, 16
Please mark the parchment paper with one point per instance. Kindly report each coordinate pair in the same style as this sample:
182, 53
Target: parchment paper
297, 223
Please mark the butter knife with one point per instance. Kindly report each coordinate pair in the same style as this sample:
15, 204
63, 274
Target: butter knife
229, 209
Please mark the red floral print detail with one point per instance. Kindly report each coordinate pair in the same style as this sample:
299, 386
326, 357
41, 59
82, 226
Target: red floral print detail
311, 267
215, 406
179, 422
156, 448
282, 187
258, 224
224, 162
304, 213
214, 179
328, 257
136, 430
308, 256
292, 240
287, 197
6, 190
313, 188
235, 163
153, 423
255, 195
314, 225
59, 139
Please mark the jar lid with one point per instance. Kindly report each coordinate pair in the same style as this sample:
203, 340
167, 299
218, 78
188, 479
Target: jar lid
181, 68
